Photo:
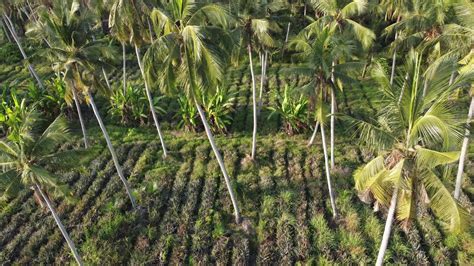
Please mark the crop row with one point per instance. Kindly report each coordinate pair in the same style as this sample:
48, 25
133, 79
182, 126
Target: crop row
186, 214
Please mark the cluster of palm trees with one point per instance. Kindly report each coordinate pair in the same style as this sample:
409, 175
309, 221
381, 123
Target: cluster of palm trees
184, 47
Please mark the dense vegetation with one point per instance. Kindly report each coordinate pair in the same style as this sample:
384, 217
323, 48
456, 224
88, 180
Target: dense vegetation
236, 132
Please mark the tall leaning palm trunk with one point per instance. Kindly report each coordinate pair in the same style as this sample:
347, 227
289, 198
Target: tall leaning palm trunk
8, 23
462, 158
219, 160
254, 99
79, 114
69, 241
388, 227
150, 101
328, 175
111, 149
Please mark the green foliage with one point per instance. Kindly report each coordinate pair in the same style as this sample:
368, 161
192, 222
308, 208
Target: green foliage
292, 108
13, 112
132, 106
9, 53
218, 107
188, 113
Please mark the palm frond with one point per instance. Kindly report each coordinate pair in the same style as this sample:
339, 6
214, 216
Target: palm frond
56, 133
70, 159
365, 36
48, 179
9, 185
354, 8
427, 158
455, 218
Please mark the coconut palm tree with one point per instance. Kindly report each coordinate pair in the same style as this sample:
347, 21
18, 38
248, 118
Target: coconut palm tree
413, 139
393, 10
189, 55
120, 32
255, 35
81, 59
338, 15
67, 47
430, 26
27, 160
7, 22
130, 17
318, 47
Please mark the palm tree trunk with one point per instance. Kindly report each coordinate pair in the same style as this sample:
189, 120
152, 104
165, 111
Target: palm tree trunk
219, 160
287, 32
5, 31
79, 113
394, 57
111, 149
124, 75
388, 227
61, 226
328, 175
311, 141
106, 78
254, 99
333, 111
462, 158
304, 10
263, 81
150, 101
9, 25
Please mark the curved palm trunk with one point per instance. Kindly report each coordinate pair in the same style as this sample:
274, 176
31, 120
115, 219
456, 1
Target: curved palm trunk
81, 121
124, 75
112, 150
61, 226
220, 161
9, 25
388, 227
150, 102
311, 141
462, 158
328, 175
254, 99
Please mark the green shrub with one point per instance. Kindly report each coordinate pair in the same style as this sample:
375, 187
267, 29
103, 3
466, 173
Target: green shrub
292, 109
